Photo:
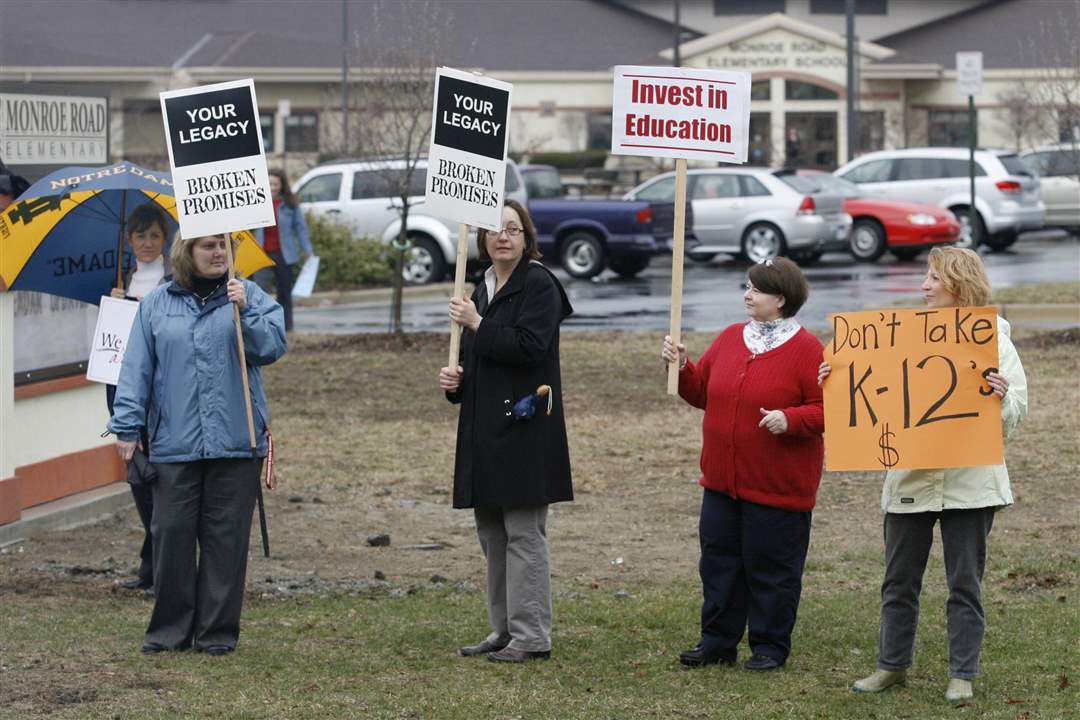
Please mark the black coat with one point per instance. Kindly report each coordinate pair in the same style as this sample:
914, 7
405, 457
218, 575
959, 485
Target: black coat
501, 461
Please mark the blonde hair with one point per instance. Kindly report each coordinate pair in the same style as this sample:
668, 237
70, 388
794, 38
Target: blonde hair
962, 273
182, 263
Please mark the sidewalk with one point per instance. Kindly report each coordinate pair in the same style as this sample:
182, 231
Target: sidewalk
69, 512
378, 296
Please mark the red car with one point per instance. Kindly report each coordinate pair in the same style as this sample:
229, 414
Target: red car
902, 228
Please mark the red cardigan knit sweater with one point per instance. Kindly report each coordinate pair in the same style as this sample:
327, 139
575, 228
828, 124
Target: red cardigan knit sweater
731, 385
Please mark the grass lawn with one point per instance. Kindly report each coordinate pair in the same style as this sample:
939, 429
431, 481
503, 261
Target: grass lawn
366, 446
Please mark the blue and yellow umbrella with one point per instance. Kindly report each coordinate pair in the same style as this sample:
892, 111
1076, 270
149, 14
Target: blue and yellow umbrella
65, 234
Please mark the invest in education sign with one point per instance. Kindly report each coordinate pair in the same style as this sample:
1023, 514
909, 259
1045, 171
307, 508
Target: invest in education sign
218, 164
466, 173
681, 113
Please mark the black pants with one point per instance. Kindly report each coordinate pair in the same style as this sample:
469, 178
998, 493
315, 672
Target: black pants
752, 560
281, 275
208, 503
144, 504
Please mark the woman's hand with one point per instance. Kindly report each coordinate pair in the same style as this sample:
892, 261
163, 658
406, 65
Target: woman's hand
117, 293
463, 312
998, 384
236, 293
450, 380
775, 421
668, 354
126, 449
823, 372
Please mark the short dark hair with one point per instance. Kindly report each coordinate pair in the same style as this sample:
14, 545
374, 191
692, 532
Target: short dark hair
146, 215
781, 276
532, 241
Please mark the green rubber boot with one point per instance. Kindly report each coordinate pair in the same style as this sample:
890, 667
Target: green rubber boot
959, 691
880, 680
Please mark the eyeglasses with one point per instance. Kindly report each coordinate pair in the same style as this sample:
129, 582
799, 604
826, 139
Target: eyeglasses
511, 230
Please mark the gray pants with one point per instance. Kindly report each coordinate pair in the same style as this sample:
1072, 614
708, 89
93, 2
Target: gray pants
908, 538
209, 502
518, 575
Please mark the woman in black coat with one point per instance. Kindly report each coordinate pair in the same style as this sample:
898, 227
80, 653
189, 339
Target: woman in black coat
509, 469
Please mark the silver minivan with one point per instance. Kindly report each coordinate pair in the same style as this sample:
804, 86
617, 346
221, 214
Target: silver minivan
1007, 199
1058, 168
753, 214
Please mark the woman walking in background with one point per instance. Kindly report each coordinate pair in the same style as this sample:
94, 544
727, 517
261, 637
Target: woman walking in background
287, 243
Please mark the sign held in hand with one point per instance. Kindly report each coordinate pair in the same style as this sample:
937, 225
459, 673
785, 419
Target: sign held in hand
907, 389
115, 318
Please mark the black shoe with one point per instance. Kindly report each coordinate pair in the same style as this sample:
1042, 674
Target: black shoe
152, 649
483, 648
700, 657
762, 663
512, 655
217, 650
136, 584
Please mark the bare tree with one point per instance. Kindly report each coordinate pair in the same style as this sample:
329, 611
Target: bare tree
1020, 115
1055, 87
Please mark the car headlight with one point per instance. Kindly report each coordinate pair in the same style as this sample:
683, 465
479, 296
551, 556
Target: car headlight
922, 219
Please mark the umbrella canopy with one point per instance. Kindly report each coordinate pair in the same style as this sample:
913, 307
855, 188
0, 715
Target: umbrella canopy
65, 234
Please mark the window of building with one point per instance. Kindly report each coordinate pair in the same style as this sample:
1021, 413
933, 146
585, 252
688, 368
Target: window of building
949, 128
837, 7
266, 120
598, 131
798, 90
547, 108
1069, 126
321, 188
747, 7
302, 132
760, 90
144, 131
760, 149
870, 126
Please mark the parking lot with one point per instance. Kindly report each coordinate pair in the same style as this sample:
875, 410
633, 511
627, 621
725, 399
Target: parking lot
712, 293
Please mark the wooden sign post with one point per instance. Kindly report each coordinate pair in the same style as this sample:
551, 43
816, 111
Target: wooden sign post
240, 348
459, 289
682, 114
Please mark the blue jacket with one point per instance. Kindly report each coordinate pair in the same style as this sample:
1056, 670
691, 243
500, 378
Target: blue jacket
292, 233
181, 374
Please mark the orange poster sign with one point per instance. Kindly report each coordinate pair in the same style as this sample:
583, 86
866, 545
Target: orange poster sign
908, 389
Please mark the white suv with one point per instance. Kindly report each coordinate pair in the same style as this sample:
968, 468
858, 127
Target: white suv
358, 193
1007, 198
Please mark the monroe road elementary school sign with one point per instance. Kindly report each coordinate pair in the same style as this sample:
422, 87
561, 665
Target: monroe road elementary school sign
467, 157
216, 152
680, 113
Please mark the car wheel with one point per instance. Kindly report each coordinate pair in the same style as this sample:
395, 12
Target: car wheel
868, 241
582, 255
763, 241
628, 267
424, 262
967, 239
1001, 241
904, 254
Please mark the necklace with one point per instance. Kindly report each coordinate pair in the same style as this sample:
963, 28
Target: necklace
203, 298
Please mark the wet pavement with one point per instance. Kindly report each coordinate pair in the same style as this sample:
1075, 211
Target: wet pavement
712, 296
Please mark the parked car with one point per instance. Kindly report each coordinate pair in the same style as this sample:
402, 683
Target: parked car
1006, 190
1058, 168
877, 224
752, 213
584, 236
542, 181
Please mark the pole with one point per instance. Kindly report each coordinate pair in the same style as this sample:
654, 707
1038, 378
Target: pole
678, 37
459, 288
972, 140
240, 348
344, 78
677, 270
852, 90
120, 241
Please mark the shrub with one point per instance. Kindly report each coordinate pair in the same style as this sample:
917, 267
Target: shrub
570, 160
347, 262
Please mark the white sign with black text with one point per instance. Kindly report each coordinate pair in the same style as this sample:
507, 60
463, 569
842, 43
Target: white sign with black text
681, 113
217, 158
53, 129
466, 173
969, 73
115, 318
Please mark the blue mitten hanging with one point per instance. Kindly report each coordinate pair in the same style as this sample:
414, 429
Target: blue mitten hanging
526, 407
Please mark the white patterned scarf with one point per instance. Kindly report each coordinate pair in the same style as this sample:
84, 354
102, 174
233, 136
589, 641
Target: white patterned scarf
764, 336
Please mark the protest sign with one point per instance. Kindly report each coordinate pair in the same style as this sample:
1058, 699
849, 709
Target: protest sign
218, 163
907, 389
305, 281
467, 157
466, 177
680, 113
115, 318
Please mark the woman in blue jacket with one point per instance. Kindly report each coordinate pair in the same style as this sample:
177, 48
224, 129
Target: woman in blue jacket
287, 243
181, 381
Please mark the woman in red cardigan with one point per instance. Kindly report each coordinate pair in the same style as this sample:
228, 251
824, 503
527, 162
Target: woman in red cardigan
761, 460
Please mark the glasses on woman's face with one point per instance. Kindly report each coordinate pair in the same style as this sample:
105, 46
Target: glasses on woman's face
510, 230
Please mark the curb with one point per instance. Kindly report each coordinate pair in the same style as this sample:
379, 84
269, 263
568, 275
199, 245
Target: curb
374, 296
74, 511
